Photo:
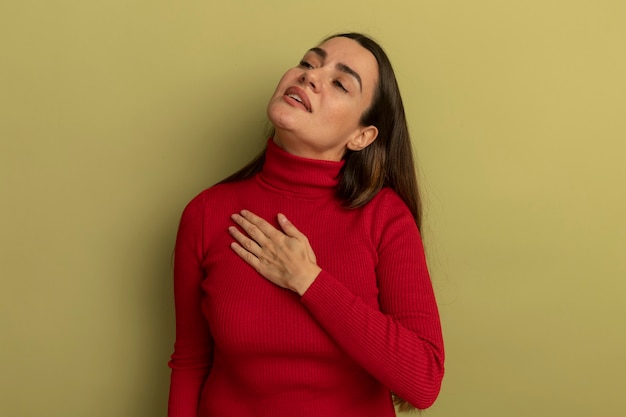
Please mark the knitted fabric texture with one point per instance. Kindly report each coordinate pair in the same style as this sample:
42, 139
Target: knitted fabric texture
368, 324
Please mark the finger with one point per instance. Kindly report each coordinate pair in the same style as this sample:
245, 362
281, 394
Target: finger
251, 229
291, 231
244, 254
288, 227
245, 242
263, 225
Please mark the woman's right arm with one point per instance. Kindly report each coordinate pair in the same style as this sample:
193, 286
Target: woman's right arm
192, 357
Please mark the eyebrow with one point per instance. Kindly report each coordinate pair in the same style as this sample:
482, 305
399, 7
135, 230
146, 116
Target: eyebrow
341, 67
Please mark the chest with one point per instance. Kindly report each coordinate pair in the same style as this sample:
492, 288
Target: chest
249, 315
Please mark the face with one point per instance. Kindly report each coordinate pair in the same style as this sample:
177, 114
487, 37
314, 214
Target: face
317, 106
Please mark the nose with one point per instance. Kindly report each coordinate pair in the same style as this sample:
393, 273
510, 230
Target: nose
311, 78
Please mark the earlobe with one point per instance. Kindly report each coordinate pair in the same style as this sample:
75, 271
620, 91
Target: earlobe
363, 138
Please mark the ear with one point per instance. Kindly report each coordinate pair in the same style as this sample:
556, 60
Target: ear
362, 138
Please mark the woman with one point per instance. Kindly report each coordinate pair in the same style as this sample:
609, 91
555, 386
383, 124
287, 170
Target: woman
301, 286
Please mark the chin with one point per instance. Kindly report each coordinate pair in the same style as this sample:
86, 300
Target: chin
281, 117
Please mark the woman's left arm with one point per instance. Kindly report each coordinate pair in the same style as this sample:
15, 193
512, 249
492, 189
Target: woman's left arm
401, 344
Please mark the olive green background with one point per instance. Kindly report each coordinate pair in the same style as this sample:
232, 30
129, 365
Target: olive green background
115, 113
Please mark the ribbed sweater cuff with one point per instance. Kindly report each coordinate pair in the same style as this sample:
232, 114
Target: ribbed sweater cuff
323, 295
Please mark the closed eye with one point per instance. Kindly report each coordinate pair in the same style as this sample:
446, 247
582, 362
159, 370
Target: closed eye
305, 64
340, 86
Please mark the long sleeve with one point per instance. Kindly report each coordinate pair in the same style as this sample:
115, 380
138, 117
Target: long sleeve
191, 360
401, 344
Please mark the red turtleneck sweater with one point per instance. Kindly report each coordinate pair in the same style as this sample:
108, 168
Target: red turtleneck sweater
367, 325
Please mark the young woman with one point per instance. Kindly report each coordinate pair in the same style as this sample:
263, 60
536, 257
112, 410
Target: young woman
301, 285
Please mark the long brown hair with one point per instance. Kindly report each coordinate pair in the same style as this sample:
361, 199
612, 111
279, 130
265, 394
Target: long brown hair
388, 161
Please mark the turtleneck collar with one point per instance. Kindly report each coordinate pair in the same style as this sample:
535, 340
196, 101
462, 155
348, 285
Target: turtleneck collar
292, 174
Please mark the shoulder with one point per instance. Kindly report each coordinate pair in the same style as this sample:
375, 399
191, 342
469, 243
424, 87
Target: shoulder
214, 198
391, 218
388, 205
218, 194
388, 196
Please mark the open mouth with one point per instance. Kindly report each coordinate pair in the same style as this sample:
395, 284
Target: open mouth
299, 96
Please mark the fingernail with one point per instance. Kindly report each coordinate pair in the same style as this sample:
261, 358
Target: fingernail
282, 218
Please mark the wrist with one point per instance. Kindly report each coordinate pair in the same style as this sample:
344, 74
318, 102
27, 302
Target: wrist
303, 283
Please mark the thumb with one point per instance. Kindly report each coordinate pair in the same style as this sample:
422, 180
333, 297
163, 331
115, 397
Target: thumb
291, 231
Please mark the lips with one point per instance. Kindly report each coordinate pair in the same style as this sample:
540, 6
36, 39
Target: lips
298, 95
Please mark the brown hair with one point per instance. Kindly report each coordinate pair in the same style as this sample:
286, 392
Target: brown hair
388, 161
